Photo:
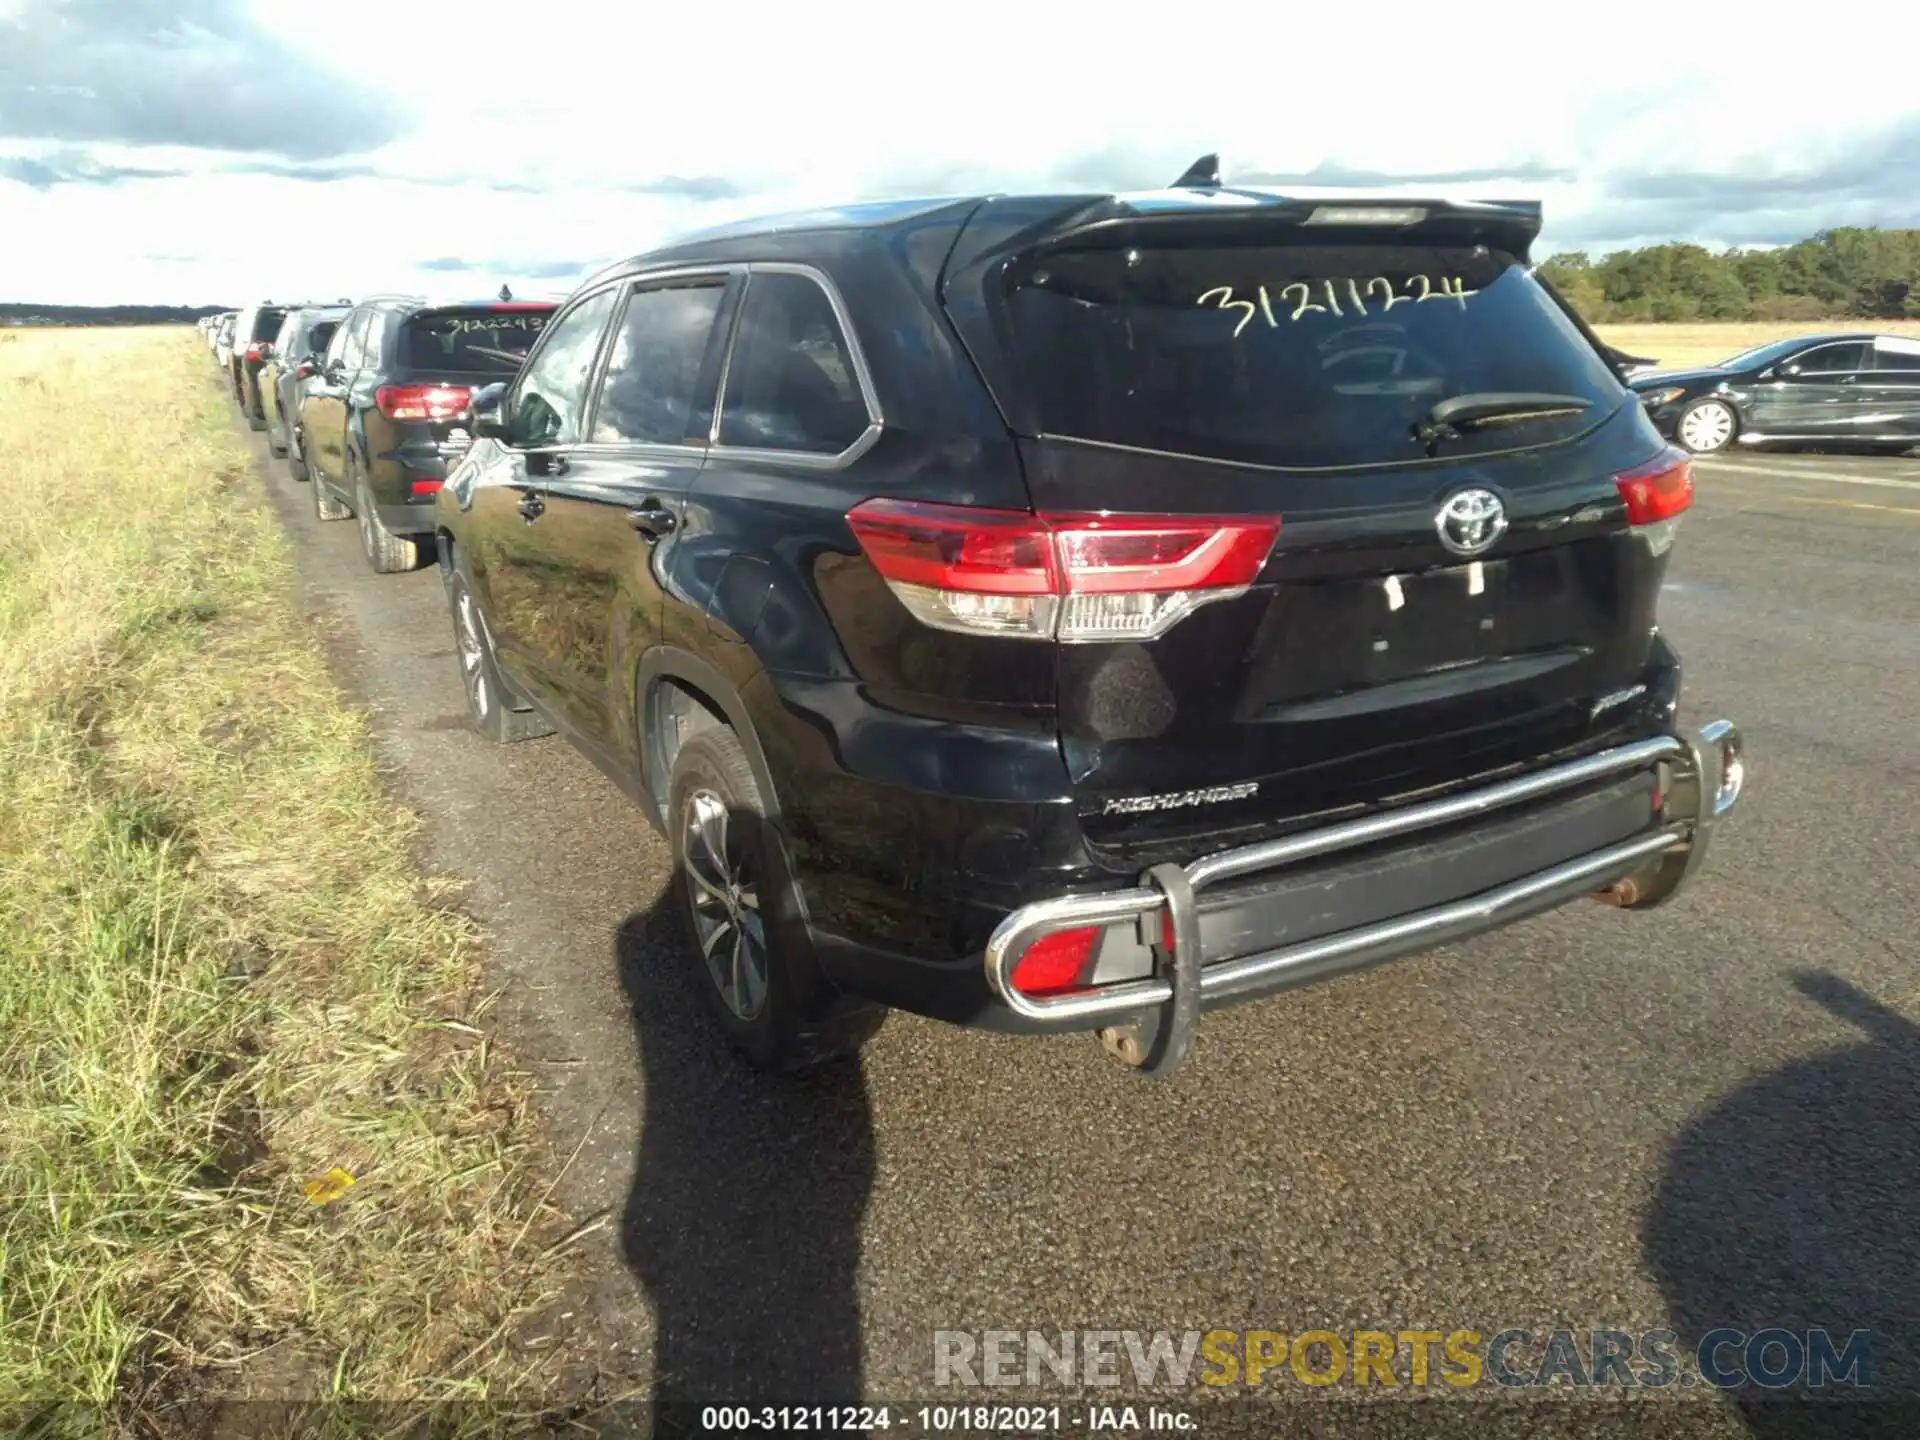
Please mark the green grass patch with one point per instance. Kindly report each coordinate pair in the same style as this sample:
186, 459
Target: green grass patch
221, 974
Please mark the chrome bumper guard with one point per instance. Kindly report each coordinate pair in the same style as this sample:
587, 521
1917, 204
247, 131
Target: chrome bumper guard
1699, 781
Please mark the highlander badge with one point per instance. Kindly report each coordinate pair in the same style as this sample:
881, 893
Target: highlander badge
1174, 800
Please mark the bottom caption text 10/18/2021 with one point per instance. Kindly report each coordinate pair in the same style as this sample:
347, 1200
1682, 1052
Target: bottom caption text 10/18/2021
947, 1419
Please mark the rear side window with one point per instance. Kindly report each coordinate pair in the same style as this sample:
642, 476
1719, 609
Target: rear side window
1298, 356
471, 342
654, 368
790, 382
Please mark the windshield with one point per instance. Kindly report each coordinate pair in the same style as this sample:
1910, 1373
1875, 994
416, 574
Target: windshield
1762, 354
1298, 356
478, 342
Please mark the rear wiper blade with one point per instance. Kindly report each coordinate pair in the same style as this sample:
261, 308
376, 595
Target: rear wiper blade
1492, 407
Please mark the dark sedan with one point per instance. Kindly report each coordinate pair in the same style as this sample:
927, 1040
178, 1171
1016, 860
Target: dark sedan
1834, 389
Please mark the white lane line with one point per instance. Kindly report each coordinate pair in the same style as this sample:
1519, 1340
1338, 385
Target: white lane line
1826, 477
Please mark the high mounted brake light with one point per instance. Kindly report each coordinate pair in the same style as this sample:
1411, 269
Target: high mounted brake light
1657, 494
1367, 215
1072, 578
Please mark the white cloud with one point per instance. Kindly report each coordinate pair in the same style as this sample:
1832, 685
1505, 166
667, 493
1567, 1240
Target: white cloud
801, 105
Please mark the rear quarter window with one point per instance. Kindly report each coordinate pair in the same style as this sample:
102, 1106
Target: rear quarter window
477, 342
1296, 356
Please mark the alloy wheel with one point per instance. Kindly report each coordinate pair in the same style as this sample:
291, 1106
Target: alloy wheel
726, 905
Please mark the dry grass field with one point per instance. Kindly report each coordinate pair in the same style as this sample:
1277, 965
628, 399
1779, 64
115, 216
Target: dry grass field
221, 976
1679, 347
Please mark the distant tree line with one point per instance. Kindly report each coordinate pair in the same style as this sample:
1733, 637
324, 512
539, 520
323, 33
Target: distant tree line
1837, 274
19, 314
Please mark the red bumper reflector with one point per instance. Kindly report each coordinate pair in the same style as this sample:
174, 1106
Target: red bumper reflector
1056, 964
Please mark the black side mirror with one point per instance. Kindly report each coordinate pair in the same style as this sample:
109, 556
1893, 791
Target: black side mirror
489, 418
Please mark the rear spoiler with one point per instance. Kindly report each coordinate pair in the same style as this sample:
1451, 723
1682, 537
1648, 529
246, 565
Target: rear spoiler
1003, 226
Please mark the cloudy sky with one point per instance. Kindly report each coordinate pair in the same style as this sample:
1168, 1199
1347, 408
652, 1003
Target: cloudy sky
213, 151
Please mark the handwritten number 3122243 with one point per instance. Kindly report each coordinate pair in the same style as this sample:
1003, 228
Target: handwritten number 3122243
1300, 297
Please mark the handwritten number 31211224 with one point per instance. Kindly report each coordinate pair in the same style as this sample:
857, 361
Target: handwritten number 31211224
1297, 299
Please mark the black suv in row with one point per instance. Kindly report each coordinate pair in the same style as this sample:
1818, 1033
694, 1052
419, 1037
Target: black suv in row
385, 414
292, 360
1079, 611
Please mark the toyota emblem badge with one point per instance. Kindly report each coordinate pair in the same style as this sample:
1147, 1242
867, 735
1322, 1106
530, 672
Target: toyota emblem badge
1470, 521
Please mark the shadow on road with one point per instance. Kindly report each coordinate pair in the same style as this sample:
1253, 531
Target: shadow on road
744, 1218
1795, 1204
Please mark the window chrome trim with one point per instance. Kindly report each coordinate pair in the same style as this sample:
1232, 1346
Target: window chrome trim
863, 377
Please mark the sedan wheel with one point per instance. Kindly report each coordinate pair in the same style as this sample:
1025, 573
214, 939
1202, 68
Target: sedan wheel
1707, 426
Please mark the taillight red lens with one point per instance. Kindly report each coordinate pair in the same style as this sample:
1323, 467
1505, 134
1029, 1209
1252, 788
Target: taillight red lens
952, 547
1056, 964
253, 352
427, 487
1067, 577
1658, 490
422, 402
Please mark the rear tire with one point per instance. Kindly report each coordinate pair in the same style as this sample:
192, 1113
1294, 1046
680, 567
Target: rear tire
741, 915
1707, 427
492, 709
386, 552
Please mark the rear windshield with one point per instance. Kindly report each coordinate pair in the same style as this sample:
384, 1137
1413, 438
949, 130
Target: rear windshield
266, 323
1302, 356
479, 342
321, 336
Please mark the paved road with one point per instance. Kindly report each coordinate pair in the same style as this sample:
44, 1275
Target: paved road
1594, 1120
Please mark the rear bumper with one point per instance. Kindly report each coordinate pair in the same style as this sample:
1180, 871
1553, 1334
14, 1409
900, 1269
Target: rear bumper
1195, 937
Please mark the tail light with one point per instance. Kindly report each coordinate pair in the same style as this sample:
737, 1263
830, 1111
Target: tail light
427, 487
1657, 494
1073, 578
423, 402
1056, 964
253, 352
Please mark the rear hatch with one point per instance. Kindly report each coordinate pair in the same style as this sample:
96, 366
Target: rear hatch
441, 356
1289, 588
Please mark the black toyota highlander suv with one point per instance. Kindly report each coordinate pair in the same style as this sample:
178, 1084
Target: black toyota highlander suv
385, 414
1079, 611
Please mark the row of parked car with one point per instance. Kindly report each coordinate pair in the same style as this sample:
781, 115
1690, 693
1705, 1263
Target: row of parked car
1063, 612
367, 400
